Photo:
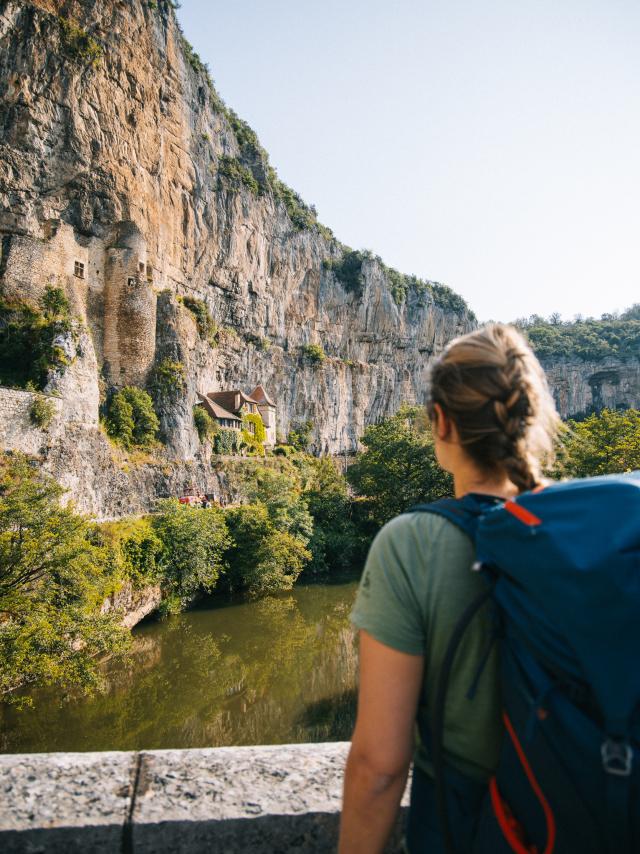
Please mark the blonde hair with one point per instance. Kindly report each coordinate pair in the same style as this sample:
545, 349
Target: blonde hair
494, 389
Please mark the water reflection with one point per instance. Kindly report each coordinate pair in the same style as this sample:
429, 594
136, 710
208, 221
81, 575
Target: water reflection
276, 671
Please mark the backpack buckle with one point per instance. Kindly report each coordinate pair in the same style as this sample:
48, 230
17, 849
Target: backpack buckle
617, 757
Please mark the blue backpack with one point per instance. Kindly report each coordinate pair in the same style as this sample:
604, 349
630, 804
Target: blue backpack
563, 571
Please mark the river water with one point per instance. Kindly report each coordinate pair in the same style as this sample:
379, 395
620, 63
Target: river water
274, 671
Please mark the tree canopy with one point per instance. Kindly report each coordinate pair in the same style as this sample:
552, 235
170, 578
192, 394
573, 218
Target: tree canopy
398, 467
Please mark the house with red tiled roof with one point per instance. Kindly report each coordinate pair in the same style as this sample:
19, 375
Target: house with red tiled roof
228, 407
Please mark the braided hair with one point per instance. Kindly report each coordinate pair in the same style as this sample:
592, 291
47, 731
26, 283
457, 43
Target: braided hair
493, 388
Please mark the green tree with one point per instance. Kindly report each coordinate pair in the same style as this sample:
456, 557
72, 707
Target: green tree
262, 559
52, 581
135, 549
30, 341
131, 419
398, 467
194, 541
605, 443
335, 543
300, 435
281, 493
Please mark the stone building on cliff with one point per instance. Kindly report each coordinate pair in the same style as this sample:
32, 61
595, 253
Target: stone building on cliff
108, 279
228, 407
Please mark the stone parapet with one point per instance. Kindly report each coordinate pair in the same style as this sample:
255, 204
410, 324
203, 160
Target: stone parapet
217, 800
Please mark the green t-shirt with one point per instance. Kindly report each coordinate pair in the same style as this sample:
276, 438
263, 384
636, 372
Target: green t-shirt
416, 583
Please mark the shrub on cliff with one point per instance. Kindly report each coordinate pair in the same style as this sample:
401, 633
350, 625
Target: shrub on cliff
237, 174
78, 44
313, 353
299, 436
167, 380
41, 412
207, 326
131, 419
30, 341
205, 425
52, 581
194, 542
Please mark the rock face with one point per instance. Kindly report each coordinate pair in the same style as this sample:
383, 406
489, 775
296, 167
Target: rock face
112, 185
580, 388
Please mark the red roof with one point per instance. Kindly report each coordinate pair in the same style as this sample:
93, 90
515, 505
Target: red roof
216, 409
260, 396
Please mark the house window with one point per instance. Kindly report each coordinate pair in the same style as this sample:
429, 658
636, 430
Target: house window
141, 266
78, 269
149, 273
131, 281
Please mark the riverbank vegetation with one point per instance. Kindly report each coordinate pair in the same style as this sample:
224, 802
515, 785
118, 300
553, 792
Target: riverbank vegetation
299, 517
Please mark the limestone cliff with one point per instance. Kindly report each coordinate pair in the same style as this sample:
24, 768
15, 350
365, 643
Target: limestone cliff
581, 387
125, 180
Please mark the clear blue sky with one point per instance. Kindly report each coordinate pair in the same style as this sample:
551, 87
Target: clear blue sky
493, 146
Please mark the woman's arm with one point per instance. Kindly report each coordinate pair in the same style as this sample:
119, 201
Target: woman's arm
381, 747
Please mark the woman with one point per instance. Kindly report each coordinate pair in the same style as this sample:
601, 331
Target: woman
494, 425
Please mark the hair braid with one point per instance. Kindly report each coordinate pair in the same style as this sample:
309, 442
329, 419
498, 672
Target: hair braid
492, 386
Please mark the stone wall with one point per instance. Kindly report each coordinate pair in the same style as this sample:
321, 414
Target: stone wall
17, 431
220, 801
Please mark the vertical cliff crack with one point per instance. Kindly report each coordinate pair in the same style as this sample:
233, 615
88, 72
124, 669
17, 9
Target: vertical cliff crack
127, 828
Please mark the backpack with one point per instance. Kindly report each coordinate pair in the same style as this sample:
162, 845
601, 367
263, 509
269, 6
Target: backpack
563, 570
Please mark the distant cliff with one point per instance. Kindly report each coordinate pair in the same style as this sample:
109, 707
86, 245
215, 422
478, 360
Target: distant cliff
590, 363
126, 181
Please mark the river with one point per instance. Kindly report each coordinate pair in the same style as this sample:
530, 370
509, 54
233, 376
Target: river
274, 671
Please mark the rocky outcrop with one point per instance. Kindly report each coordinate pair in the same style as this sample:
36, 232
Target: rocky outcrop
115, 184
132, 604
581, 387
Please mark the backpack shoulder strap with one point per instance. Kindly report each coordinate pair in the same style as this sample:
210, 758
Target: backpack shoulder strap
463, 512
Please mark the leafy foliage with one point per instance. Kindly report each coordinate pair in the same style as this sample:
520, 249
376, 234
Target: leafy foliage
207, 326
167, 379
313, 353
300, 435
281, 492
589, 340
41, 412
348, 270
51, 580
194, 541
254, 440
30, 339
398, 467
205, 425
336, 543
78, 44
131, 419
262, 559
606, 443
237, 175
226, 441
134, 549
